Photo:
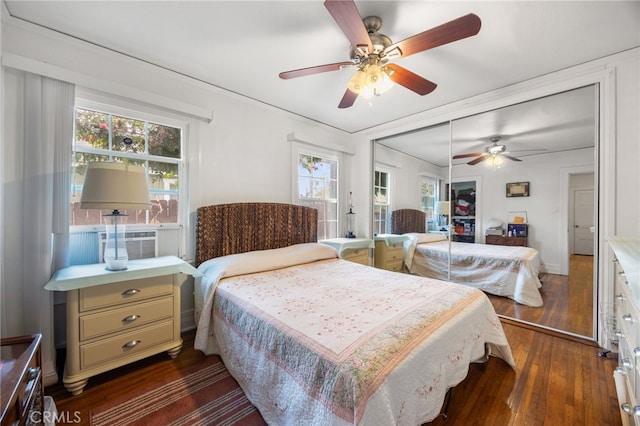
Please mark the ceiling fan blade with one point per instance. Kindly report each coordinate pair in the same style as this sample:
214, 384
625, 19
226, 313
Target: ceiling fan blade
410, 80
511, 158
346, 15
314, 70
477, 160
473, 154
463, 27
348, 99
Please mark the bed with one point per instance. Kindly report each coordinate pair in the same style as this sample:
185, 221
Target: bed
315, 339
499, 270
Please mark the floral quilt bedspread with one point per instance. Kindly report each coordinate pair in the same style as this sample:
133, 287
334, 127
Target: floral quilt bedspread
327, 341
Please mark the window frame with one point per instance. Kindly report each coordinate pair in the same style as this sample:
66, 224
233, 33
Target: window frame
303, 149
390, 179
116, 107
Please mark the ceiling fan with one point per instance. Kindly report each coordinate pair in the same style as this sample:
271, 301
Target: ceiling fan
371, 52
493, 153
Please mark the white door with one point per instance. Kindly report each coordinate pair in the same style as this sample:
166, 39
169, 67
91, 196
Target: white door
583, 222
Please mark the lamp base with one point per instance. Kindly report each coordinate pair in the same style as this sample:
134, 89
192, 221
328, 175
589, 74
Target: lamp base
116, 264
115, 250
111, 268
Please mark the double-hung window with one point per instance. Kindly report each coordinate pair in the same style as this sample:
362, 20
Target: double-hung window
316, 185
109, 132
381, 201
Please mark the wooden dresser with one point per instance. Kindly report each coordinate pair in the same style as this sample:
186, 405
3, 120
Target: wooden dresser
627, 325
22, 393
389, 252
503, 240
117, 317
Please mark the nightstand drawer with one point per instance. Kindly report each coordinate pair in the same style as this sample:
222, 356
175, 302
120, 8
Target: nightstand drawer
118, 347
357, 255
124, 291
394, 252
395, 266
131, 316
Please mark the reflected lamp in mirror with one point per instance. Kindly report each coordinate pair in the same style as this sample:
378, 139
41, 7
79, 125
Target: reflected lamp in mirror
117, 187
442, 210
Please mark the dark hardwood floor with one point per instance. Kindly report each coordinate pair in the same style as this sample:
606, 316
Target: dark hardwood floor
558, 380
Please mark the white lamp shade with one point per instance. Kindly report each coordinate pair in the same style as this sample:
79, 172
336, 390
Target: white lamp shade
442, 207
115, 186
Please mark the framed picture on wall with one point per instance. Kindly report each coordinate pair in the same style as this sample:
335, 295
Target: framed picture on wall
518, 189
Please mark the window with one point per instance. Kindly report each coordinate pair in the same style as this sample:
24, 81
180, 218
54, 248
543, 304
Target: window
114, 136
381, 201
317, 187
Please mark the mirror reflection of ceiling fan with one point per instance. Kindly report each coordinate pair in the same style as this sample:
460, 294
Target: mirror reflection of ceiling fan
493, 154
371, 52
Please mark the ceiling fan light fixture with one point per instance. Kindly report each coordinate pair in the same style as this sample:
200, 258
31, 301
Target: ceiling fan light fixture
374, 76
356, 84
385, 84
494, 161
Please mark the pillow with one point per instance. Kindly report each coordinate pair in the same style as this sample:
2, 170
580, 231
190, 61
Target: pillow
425, 237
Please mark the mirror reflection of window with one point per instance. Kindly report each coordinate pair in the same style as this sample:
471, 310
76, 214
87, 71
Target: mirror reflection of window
428, 191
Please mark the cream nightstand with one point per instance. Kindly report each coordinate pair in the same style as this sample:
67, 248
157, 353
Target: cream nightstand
352, 249
117, 317
389, 253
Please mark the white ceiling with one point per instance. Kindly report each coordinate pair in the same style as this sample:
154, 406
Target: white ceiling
242, 46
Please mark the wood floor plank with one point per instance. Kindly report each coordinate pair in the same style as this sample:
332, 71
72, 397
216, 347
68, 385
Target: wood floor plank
556, 381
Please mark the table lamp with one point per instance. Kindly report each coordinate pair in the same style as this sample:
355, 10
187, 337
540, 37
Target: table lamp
117, 187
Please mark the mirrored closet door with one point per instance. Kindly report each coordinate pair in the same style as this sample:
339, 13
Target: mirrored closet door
528, 168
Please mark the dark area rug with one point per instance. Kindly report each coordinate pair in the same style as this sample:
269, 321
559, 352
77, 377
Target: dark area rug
205, 394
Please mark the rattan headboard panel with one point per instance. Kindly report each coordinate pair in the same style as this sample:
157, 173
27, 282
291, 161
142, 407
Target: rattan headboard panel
224, 229
407, 220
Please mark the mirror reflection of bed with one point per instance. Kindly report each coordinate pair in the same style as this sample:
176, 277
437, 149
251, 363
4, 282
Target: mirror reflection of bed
507, 271
555, 136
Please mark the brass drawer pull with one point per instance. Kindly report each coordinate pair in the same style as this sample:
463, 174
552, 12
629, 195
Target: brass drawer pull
131, 344
131, 318
130, 292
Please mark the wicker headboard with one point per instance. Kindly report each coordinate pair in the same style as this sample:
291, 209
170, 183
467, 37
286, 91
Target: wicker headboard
224, 229
407, 220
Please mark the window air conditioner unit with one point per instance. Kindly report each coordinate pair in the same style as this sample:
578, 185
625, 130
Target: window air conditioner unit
140, 244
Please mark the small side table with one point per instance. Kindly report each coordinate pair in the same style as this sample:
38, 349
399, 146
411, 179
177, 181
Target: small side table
389, 253
352, 249
118, 317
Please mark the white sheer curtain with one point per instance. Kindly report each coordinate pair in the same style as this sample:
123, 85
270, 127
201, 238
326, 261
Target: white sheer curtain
37, 207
